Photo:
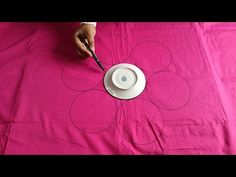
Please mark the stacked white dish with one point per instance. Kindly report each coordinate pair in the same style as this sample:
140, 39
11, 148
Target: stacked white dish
124, 81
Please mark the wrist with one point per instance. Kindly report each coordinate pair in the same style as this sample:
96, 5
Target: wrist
90, 23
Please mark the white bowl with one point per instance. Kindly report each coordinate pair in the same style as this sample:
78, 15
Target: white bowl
124, 81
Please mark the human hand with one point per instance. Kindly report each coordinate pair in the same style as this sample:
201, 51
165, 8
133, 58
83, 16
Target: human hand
85, 31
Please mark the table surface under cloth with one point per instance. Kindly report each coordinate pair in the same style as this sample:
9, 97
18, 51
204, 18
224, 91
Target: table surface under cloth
54, 102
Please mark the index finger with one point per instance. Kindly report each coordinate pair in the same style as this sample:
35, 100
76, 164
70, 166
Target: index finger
81, 46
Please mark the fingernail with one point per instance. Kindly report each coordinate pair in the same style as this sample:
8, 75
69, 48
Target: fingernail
93, 49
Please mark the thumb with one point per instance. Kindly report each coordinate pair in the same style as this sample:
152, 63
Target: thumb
91, 42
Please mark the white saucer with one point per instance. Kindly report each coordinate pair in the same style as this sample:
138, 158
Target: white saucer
124, 81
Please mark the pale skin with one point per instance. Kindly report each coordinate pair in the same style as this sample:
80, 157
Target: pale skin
86, 31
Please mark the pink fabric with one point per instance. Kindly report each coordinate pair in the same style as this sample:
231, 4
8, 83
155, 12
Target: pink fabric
53, 102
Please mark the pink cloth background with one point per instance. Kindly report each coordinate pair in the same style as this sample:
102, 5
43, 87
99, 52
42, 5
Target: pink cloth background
53, 102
